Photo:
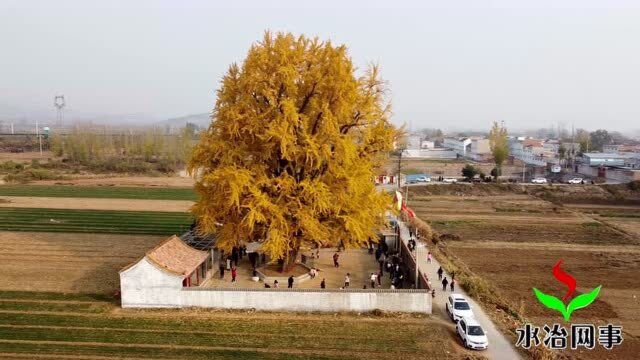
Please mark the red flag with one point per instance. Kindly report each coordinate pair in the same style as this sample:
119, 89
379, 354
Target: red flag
408, 211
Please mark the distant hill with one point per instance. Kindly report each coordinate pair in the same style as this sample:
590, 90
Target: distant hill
202, 120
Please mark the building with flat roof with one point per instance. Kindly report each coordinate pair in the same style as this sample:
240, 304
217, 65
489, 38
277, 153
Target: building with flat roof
475, 148
609, 159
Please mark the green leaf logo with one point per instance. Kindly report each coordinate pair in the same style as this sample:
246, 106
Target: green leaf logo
578, 302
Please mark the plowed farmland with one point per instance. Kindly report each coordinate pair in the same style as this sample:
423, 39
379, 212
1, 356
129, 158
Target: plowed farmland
513, 240
67, 262
34, 325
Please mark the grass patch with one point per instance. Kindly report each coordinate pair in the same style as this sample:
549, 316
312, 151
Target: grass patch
452, 222
592, 224
94, 221
517, 210
157, 353
24, 176
88, 307
621, 215
54, 296
102, 192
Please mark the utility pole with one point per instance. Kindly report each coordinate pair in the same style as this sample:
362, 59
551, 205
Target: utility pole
399, 167
416, 265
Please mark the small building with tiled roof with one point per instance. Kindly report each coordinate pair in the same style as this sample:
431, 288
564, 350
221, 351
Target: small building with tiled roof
167, 268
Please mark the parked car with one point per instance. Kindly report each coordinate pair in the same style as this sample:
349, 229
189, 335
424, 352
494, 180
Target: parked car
576, 181
472, 334
423, 179
457, 307
450, 180
539, 181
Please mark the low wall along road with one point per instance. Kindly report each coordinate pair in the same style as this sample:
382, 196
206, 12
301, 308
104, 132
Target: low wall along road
418, 301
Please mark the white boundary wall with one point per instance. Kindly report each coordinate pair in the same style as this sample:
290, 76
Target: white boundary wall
144, 285
155, 289
309, 299
418, 301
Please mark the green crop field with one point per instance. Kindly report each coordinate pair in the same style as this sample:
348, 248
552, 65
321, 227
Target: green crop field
98, 192
94, 221
90, 326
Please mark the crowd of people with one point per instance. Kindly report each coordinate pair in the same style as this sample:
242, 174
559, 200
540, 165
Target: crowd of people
389, 263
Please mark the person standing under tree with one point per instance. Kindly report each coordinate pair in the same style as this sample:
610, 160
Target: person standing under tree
347, 281
235, 255
453, 285
440, 271
382, 260
445, 282
221, 270
336, 256
234, 273
290, 282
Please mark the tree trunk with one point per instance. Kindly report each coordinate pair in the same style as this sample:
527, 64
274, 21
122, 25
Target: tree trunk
289, 260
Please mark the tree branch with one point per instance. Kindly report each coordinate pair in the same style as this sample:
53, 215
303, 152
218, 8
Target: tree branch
307, 97
344, 129
314, 129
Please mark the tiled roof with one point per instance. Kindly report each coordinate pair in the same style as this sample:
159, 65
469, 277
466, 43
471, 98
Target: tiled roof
532, 143
175, 256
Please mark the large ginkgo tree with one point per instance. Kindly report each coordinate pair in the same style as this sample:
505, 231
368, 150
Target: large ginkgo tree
290, 154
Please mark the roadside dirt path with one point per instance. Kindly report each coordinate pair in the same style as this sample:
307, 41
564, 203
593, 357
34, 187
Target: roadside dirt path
141, 181
96, 204
472, 244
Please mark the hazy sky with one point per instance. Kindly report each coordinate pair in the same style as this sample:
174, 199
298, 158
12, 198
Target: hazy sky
458, 64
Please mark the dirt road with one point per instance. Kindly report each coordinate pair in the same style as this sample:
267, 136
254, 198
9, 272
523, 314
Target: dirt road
95, 204
139, 181
500, 346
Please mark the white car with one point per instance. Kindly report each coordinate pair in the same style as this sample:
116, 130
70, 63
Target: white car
472, 334
423, 179
576, 181
450, 180
539, 181
457, 307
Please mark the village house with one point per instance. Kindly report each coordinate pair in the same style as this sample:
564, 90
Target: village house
170, 266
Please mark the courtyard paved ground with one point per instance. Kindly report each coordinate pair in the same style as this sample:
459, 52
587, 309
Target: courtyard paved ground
358, 262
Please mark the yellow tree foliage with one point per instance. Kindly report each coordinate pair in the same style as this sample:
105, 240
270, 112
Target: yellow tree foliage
288, 158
